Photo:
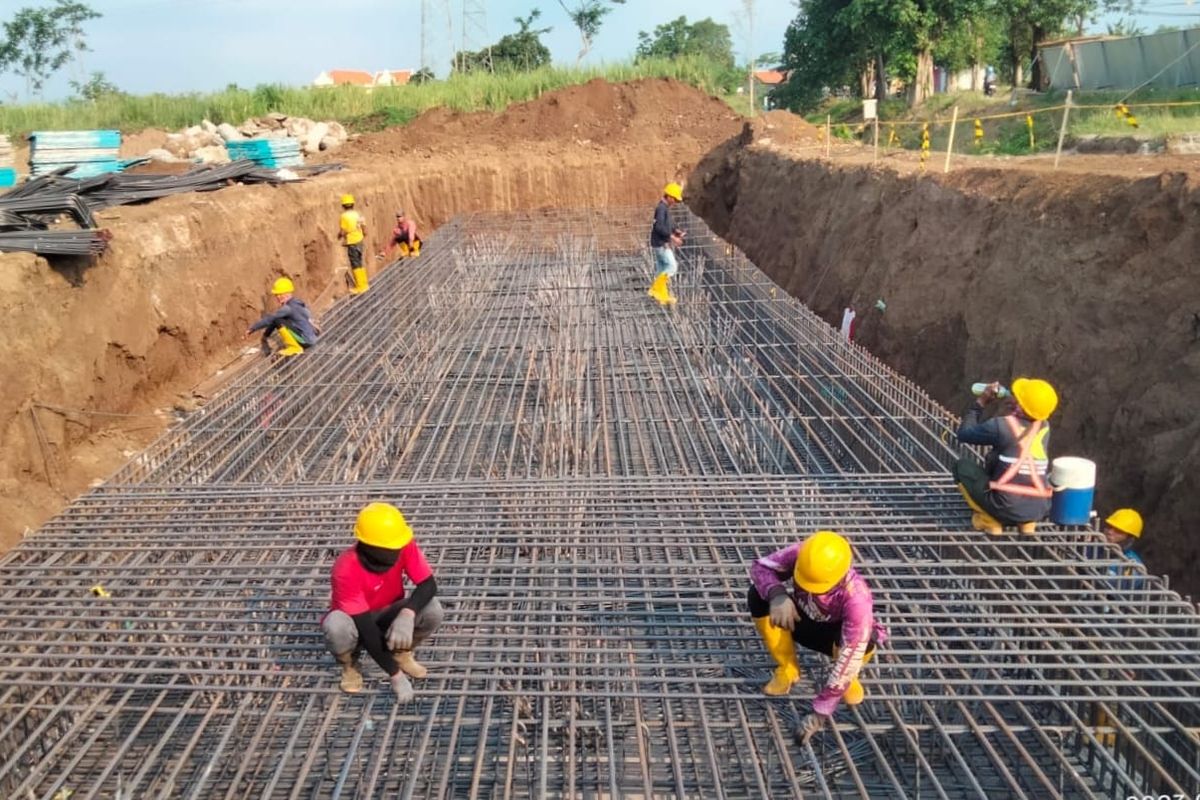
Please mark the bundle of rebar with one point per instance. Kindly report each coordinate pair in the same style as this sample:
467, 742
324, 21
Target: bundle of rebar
591, 476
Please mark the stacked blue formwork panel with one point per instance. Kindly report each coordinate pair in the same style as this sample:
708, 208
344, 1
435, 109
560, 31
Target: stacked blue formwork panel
91, 153
8, 172
267, 152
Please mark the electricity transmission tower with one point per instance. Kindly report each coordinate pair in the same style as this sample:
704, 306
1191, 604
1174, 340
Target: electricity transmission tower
475, 29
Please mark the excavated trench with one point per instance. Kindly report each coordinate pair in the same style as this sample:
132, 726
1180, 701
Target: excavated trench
983, 273
1087, 280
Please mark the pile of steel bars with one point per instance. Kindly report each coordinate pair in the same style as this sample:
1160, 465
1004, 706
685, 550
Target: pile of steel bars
591, 475
36, 205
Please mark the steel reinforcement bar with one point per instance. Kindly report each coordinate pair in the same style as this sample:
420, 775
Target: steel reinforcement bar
591, 476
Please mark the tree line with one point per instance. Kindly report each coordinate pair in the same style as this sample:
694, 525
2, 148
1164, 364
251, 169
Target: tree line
866, 43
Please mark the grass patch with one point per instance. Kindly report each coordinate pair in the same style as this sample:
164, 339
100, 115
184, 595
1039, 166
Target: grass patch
364, 110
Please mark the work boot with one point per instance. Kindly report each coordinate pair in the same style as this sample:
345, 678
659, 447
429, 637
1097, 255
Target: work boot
415, 249
360, 280
671, 299
352, 679
409, 664
855, 693
783, 650
1027, 528
658, 289
986, 523
291, 345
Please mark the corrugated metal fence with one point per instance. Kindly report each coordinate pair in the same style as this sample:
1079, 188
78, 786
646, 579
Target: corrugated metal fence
1163, 60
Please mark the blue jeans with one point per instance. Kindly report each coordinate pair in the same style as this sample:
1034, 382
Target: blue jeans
664, 261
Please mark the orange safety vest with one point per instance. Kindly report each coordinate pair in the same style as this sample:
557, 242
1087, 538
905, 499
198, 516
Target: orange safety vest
1025, 464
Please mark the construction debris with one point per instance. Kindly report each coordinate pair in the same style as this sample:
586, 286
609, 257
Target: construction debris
288, 137
593, 475
28, 212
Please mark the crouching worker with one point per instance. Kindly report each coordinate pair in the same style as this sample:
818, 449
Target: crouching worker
404, 238
1012, 486
369, 608
809, 594
292, 321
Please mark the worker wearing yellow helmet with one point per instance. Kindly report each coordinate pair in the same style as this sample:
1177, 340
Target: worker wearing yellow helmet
1012, 486
352, 229
1124, 528
664, 239
809, 594
292, 321
369, 608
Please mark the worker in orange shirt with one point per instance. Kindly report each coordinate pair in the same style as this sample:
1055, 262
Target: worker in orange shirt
351, 232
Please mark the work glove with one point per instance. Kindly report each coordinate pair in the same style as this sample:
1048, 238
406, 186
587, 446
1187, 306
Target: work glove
400, 635
783, 611
401, 687
809, 726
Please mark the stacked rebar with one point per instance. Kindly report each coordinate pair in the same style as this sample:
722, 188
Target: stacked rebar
591, 476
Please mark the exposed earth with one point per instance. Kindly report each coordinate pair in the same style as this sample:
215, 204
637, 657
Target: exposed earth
1085, 275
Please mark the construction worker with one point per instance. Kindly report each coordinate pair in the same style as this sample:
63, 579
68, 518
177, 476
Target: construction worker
1012, 486
292, 321
351, 231
404, 237
663, 240
1124, 529
368, 607
809, 594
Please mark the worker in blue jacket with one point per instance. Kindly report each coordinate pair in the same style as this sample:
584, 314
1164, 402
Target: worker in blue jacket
292, 321
1012, 486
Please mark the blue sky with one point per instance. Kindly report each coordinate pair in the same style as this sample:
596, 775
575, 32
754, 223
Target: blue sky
185, 45
199, 45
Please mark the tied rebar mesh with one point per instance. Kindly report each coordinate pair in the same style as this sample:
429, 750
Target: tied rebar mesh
591, 476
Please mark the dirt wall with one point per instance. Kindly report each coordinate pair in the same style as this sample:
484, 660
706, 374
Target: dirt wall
1089, 281
170, 301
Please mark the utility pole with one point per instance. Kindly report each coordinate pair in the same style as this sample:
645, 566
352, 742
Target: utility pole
475, 28
425, 19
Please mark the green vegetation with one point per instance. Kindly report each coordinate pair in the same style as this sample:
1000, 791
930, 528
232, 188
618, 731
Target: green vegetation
362, 110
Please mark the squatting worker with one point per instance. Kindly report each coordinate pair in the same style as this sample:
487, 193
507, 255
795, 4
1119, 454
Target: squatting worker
369, 608
1012, 487
292, 321
404, 237
663, 241
809, 594
351, 231
1123, 528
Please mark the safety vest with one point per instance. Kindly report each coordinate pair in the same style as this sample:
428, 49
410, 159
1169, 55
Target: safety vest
351, 226
1026, 472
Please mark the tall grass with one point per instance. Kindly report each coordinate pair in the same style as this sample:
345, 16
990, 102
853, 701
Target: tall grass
354, 105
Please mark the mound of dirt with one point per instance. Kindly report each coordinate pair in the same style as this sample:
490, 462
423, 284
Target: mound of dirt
644, 113
784, 128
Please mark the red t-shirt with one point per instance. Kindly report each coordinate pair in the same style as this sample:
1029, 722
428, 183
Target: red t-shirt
357, 590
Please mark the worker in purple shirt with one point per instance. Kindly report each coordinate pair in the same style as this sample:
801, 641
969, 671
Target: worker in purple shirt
809, 594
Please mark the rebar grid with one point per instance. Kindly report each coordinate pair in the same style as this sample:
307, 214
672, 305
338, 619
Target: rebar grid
591, 476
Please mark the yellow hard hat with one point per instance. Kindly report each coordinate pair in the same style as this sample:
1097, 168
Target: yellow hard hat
1036, 397
674, 191
823, 560
283, 286
1126, 520
347, 199
382, 525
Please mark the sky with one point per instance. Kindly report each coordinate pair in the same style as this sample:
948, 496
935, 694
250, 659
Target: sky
175, 46
203, 45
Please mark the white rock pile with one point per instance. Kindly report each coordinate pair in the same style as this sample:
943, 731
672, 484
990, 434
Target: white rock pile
206, 142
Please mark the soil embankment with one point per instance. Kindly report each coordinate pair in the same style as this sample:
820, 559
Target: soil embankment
169, 303
1088, 280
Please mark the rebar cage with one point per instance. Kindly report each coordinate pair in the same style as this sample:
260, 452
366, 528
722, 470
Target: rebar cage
591, 476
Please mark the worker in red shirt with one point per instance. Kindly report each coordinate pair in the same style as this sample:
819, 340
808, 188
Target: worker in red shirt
404, 236
369, 608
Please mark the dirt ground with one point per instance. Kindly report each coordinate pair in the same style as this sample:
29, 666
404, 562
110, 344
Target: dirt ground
1001, 267
1086, 276
135, 332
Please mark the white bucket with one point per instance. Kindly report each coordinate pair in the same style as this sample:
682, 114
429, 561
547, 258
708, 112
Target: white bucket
1070, 472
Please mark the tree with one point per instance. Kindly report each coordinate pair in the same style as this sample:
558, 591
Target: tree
40, 41
1124, 27
520, 52
95, 87
423, 75
587, 15
704, 39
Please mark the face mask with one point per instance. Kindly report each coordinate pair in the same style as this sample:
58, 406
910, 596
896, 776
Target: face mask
377, 559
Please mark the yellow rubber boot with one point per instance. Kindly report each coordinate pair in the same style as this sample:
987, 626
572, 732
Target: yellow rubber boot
291, 345
403, 248
360, 280
658, 289
982, 521
781, 647
671, 299
1028, 528
855, 693
415, 250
